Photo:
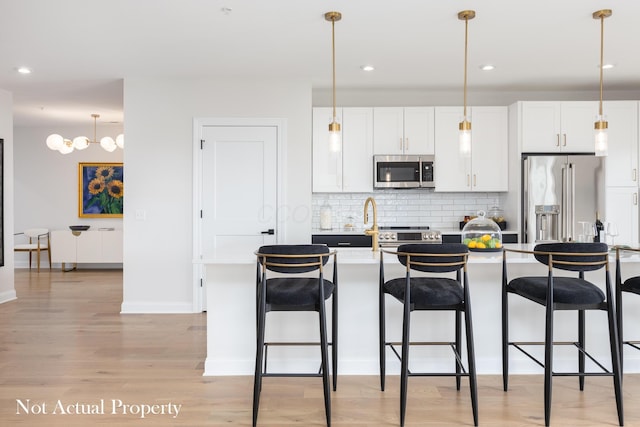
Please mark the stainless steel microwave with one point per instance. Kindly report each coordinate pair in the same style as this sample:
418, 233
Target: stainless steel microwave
398, 171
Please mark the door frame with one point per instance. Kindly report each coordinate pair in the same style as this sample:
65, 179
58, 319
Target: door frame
199, 123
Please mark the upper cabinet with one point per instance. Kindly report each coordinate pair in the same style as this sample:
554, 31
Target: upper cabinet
408, 130
351, 169
558, 126
487, 168
622, 159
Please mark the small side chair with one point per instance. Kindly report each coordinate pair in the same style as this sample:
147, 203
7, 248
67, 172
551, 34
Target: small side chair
39, 241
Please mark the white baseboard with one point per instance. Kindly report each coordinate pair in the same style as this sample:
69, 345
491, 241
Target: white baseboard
156, 308
7, 296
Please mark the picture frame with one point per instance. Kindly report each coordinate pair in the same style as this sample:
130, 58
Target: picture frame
100, 190
1, 202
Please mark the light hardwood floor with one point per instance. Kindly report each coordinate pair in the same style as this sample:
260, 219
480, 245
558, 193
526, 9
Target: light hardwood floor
65, 341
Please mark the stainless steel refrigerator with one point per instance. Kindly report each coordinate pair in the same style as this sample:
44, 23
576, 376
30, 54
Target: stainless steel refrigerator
573, 183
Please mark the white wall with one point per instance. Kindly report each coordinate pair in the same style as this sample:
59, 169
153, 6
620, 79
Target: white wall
7, 287
159, 171
46, 182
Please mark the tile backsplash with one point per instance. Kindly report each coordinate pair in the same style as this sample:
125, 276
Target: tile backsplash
440, 211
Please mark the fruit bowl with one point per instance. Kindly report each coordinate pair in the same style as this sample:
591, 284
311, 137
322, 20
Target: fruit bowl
79, 227
482, 235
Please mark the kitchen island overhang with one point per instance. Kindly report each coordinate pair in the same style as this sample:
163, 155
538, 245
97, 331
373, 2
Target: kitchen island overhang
231, 321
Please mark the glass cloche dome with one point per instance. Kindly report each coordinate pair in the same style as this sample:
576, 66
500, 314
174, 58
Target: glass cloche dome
482, 234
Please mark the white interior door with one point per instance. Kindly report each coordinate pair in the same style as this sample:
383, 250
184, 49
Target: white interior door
239, 189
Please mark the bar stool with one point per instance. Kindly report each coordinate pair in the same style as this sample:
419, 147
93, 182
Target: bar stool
292, 290
630, 285
424, 288
563, 293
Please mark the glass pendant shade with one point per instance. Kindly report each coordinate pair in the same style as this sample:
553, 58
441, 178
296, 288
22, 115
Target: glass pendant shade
601, 137
120, 141
465, 138
335, 137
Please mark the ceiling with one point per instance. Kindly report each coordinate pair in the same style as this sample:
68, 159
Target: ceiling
80, 51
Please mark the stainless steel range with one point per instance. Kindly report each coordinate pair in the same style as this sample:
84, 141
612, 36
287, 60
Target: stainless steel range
397, 235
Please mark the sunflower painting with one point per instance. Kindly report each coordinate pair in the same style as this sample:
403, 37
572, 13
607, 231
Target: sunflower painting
101, 190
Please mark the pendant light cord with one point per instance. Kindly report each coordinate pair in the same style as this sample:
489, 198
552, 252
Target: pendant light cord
333, 60
601, 60
466, 31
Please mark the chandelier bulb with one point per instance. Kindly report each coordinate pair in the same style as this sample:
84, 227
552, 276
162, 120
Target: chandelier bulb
55, 141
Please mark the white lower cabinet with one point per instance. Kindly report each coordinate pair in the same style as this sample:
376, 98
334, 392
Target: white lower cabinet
91, 246
622, 210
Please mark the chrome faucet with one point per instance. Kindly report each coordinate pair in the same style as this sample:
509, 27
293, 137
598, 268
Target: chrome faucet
373, 231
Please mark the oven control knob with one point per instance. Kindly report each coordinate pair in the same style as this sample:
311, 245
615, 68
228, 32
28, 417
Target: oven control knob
393, 237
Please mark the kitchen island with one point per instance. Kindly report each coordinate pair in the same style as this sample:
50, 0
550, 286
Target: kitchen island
231, 324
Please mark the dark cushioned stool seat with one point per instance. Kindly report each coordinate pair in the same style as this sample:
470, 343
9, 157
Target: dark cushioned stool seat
632, 285
296, 291
566, 290
427, 292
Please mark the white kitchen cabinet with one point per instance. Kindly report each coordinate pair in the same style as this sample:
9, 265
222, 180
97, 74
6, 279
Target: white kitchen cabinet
91, 246
622, 210
549, 127
622, 159
403, 130
487, 167
351, 169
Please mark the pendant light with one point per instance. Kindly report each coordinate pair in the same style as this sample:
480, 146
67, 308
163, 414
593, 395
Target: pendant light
601, 125
335, 137
465, 124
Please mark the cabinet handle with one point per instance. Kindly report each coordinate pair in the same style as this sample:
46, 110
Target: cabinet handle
468, 180
401, 144
635, 174
407, 144
557, 140
635, 199
475, 183
564, 139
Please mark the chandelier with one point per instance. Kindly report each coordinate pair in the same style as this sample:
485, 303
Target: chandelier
65, 146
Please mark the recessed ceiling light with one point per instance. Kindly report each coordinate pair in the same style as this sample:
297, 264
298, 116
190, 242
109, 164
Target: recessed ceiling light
487, 67
367, 67
24, 70
607, 66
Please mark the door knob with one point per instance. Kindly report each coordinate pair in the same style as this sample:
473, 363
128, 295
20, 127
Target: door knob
269, 231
